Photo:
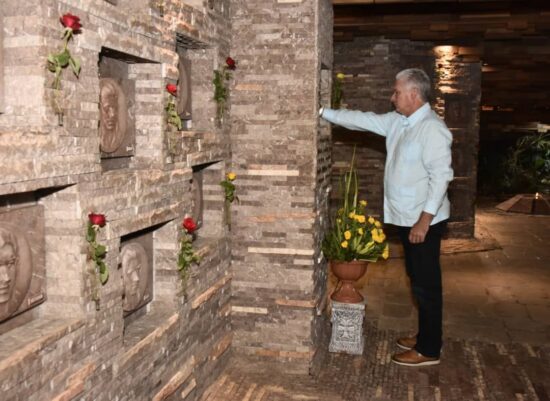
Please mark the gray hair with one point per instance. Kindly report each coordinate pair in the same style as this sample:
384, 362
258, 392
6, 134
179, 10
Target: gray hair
418, 79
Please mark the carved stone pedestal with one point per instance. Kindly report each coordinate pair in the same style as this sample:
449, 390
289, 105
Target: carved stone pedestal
347, 328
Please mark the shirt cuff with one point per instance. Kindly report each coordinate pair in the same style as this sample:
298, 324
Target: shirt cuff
321, 111
432, 207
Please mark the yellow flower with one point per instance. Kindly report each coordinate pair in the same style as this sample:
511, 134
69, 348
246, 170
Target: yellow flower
351, 215
347, 234
344, 244
338, 221
340, 75
386, 252
377, 224
363, 203
378, 235
360, 218
360, 231
371, 220
231, 176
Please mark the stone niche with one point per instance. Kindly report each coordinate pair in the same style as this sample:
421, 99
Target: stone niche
198, 201
184, 106
117, 108
22, 264
194, 66
136, 267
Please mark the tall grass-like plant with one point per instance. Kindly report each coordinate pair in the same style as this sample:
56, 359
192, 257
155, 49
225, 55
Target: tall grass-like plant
353, 234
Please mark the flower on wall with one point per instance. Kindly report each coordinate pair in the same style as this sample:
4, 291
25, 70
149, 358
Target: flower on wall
96, 253
187, 254
172, 116
58, 61
336, 98
229, 193
221, 91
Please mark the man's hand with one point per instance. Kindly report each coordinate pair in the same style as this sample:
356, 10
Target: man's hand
418, 232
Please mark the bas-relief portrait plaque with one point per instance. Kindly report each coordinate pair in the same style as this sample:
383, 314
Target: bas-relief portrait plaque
136, 276
113, 115
116, 109
22, 267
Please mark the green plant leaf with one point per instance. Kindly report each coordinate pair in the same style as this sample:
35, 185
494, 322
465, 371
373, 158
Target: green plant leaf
63, 58
100, 251
104, 276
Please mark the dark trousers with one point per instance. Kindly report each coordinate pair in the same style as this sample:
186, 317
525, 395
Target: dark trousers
424, 271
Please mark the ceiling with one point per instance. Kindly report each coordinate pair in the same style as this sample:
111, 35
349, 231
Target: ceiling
511, 38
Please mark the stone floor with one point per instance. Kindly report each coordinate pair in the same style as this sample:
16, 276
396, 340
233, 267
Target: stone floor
496, 325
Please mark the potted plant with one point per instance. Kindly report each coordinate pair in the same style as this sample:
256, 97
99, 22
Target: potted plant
353, 240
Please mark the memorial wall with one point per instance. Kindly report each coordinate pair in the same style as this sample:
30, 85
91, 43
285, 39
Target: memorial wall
96, 182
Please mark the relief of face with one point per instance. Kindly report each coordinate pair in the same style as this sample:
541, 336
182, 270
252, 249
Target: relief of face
113, 114
8, 272
109, 110
8, 262
134, 275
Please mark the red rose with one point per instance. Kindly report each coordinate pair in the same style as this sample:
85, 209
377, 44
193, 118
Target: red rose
172, 89
97, 219
71, 21
231, 64
189, 224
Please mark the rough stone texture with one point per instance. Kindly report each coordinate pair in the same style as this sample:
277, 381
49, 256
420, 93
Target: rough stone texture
370, 65
458, 101
64, 349
281, 156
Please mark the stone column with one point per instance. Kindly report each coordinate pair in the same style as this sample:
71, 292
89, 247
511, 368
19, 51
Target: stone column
458, 98
281, 154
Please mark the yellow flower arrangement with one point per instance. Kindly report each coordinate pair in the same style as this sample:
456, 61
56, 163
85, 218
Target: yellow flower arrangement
353, 235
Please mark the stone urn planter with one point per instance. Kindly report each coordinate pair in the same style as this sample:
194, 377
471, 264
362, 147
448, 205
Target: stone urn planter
348, 273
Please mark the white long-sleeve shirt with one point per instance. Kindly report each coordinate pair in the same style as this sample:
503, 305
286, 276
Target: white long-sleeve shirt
418, 164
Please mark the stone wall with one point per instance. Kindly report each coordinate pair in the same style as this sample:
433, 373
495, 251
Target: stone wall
66, 347
281, 154
370, 65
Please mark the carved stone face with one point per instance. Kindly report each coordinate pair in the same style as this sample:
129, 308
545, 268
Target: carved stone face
8, 263
15, 271
135, 276
113, 115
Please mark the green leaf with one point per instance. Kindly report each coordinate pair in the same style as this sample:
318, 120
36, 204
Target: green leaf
63, 58
100, 251
104, 276
90, 233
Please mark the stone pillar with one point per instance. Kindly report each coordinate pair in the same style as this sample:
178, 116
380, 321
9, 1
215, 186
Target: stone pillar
459, 93
281, 154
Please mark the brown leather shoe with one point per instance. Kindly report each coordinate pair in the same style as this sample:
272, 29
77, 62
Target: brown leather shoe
406, 342
413, 358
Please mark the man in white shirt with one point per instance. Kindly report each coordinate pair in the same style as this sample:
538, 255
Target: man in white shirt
417, 173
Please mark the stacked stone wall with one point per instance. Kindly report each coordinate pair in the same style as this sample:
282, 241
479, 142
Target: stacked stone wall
70, 347
281, 154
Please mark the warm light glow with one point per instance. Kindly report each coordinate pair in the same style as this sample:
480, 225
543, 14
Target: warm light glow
537, 196
444, 50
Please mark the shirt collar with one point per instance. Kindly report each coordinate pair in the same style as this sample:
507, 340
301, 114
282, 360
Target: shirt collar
417, 115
